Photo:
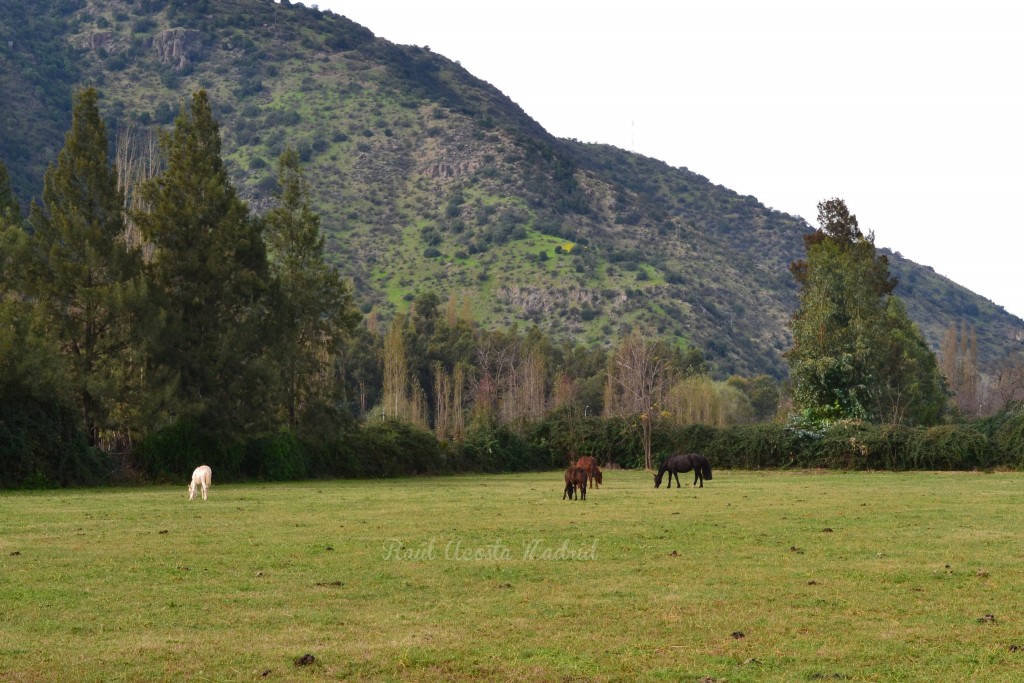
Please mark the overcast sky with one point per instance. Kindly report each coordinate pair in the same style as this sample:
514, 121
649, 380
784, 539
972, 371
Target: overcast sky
912, 112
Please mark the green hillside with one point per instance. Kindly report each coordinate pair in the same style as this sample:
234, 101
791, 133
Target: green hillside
428, 178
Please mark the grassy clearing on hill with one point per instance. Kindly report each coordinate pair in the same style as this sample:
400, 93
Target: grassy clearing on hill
827, 576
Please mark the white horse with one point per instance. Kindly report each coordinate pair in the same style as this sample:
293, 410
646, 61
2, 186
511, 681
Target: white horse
202, 477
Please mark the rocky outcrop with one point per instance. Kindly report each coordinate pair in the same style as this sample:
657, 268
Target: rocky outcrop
178, 47
99, 40
543, 300
450, 170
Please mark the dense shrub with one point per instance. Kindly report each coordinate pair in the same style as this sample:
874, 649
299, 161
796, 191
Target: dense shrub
566, 435
859, 446
950, 447
1009, 441
846, 445
173, 452
42, 445
755, 446
1006, 432
390, 448
276, 457
489, 447
688, 439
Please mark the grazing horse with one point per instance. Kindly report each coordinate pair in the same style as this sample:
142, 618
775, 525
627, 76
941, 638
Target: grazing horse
575, 478
684, 462
589, 463
202, 477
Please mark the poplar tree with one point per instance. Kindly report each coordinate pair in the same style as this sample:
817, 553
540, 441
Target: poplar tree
209, 268
314, 307
81, 275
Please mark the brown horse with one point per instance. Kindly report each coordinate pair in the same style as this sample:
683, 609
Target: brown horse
575, 478
589, 463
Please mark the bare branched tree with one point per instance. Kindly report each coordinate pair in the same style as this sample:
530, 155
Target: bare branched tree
522, 398
564, 392
396, 374
458, 419
959, 364
137, 157
419, 408
641, 371
1006, 385
442, 402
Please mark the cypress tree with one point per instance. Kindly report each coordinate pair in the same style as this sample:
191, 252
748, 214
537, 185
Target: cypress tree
209, 269
81, 274
855, 352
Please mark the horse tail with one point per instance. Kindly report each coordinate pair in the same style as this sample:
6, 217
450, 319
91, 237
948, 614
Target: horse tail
705, 468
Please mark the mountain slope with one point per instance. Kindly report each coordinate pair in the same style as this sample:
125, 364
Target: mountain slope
428, 178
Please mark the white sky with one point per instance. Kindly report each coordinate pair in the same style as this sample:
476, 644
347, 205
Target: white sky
912, 112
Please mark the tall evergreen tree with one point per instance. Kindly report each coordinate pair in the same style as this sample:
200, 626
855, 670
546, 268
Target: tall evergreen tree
209, 269
314, 308
9, 209
12, 237
81, 274
855, 353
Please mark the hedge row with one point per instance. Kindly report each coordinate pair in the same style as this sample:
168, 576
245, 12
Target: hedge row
42, 447
996, 442
389, 449
378, 449
849, 447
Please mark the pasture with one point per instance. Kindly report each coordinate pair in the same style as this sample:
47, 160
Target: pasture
759, 576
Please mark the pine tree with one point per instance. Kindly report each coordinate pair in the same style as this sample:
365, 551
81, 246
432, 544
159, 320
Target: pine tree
9, 209
209, 269
81, 274
13, 239
314, 307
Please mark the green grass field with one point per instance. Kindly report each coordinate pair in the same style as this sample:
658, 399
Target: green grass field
760, 576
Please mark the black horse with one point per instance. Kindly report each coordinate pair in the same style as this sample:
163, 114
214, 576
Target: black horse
684, 462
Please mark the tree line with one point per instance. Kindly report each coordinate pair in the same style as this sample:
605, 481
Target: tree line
142, 298
149, 318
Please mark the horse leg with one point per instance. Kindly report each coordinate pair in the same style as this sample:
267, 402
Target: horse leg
696, 476
678, 485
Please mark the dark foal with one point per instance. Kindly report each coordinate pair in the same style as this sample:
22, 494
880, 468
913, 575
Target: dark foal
684, 462
589, 463
575, 479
